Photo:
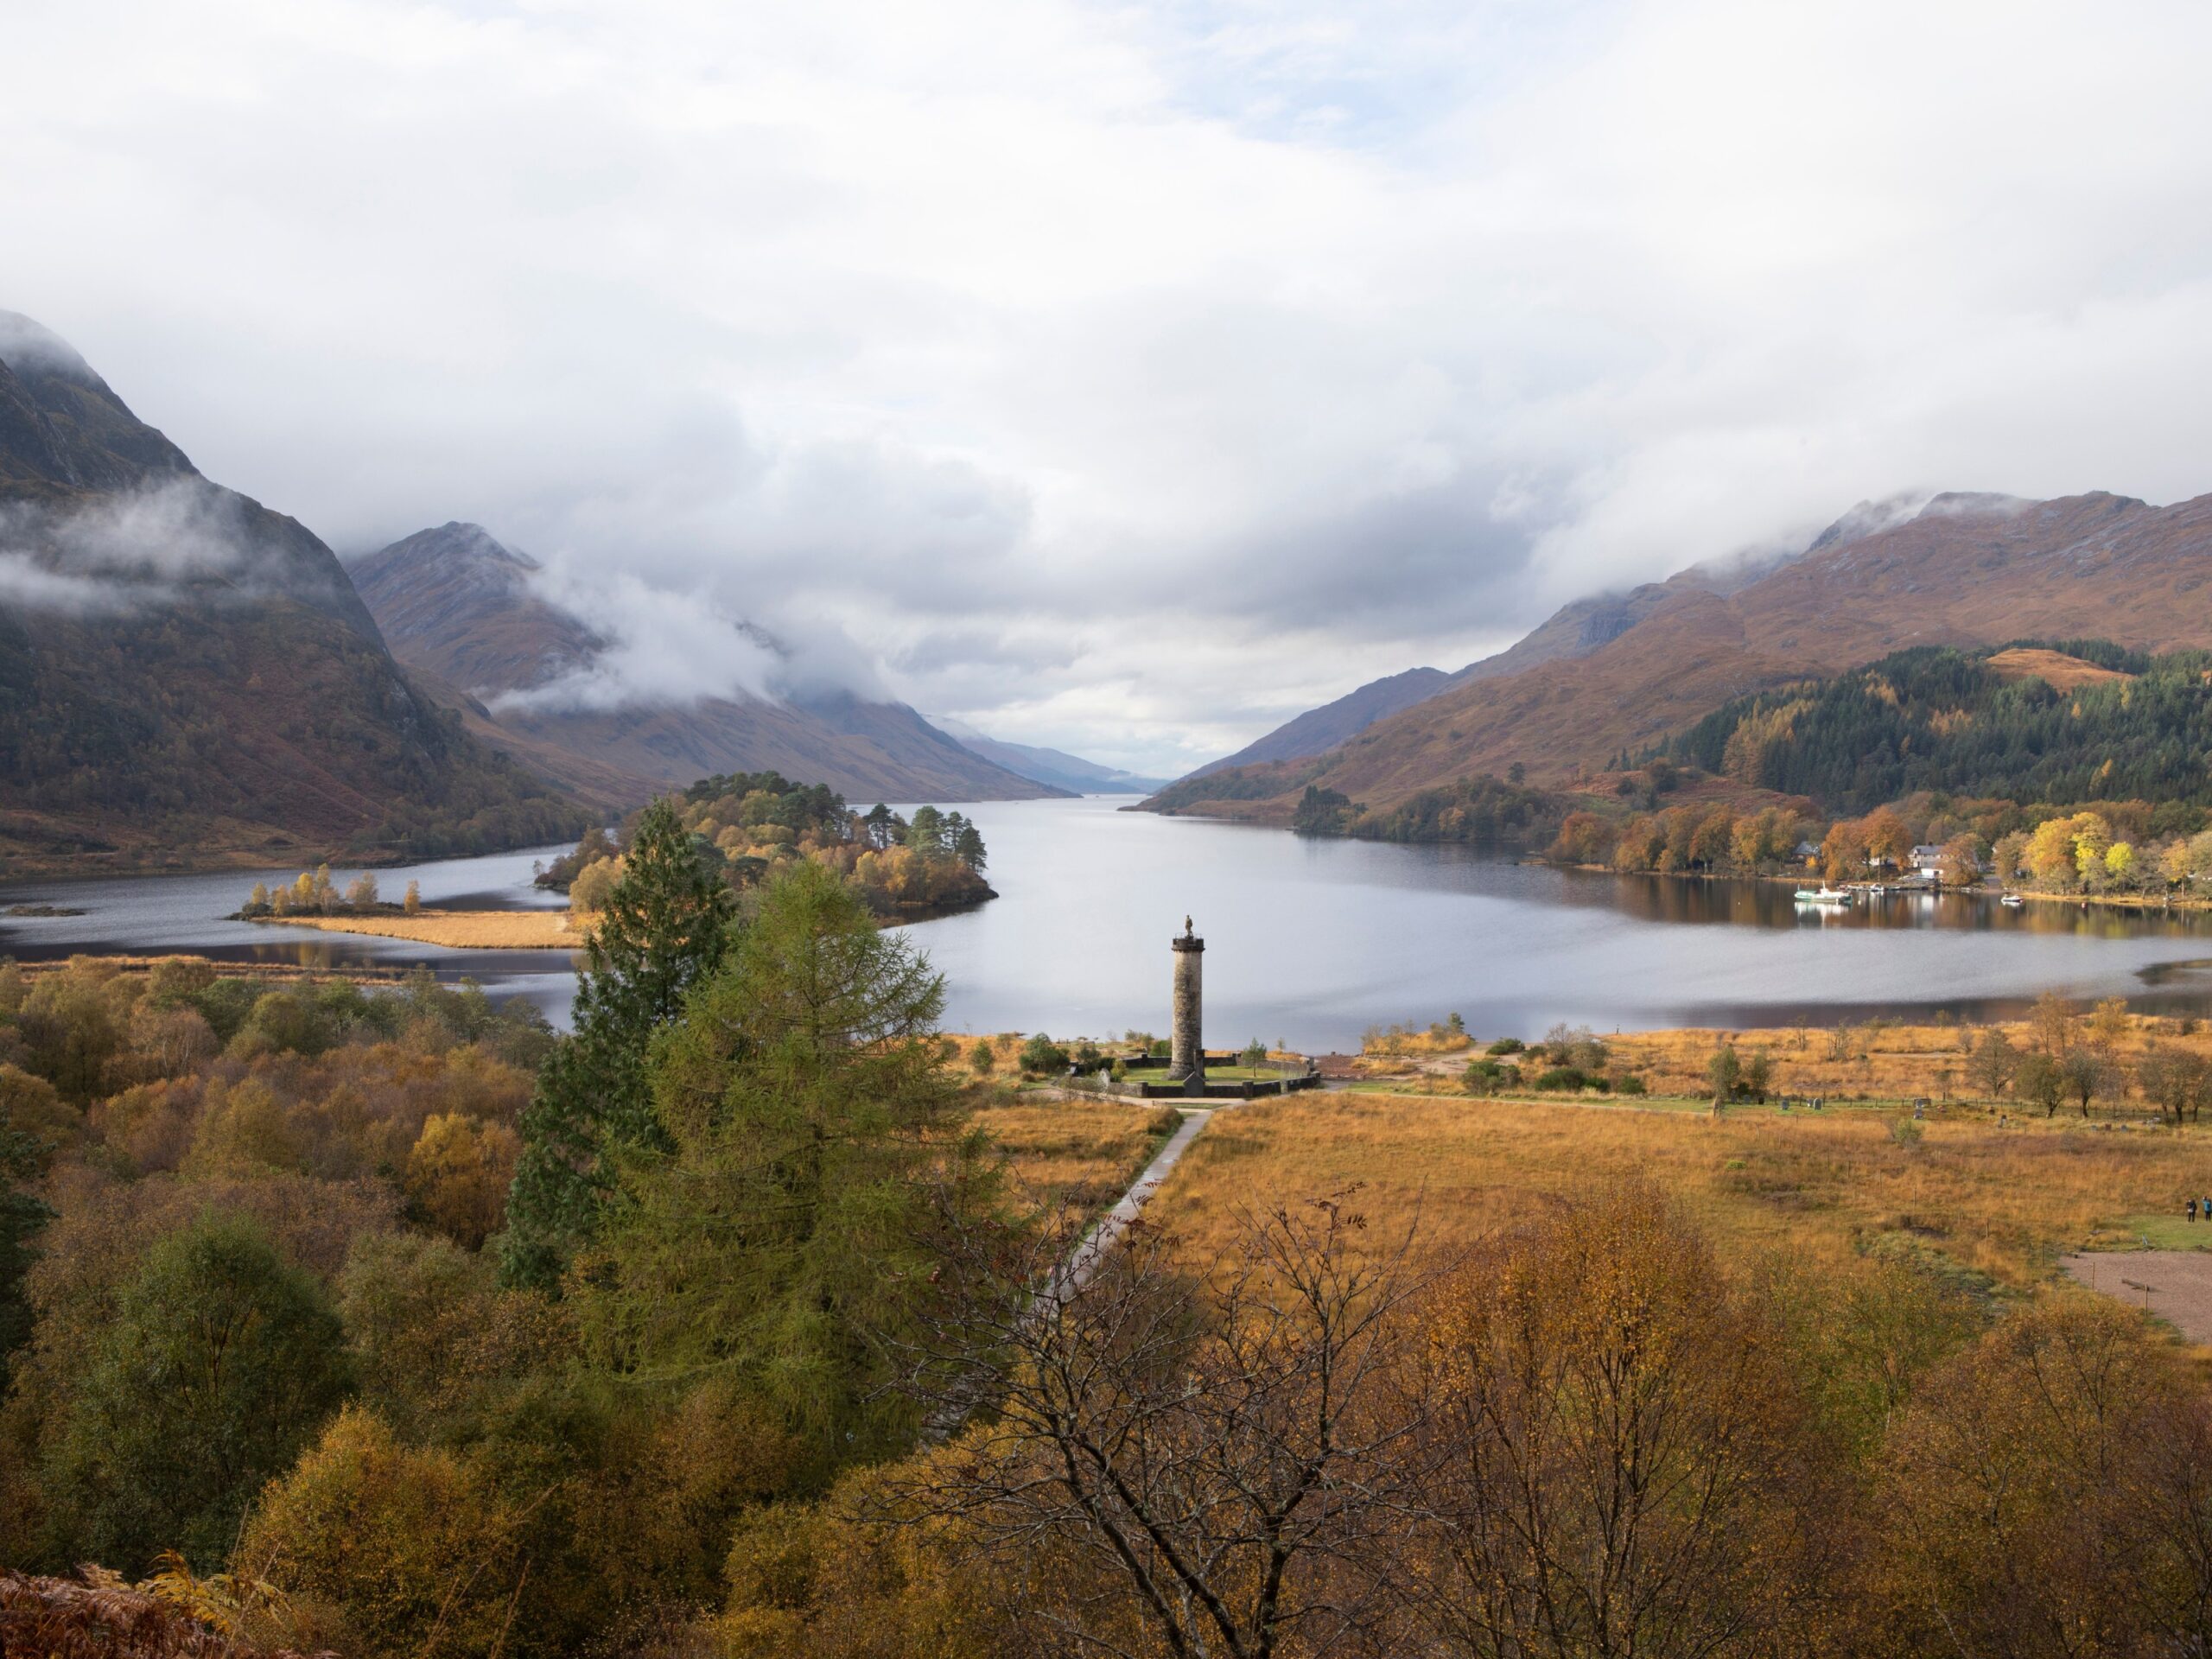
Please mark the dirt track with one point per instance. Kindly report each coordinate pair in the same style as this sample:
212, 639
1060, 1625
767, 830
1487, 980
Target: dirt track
2180, 1284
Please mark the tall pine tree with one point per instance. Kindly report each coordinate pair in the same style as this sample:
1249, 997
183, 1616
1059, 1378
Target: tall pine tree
666, 924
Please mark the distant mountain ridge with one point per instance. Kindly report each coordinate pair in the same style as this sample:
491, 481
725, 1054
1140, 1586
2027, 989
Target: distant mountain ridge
1055, 768
1319, 730
463, 612
188, 677
465, 607
1576, 629
1611, 674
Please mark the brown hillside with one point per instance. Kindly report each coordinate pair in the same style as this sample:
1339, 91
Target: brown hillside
865, 751
2060, 671
464, 614
1967, 570
186, 677
1571, 633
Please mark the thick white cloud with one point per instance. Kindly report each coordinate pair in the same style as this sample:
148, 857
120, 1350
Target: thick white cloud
1126, 377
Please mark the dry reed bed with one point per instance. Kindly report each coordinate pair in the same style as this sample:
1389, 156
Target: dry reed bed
2002, 1202
460, 930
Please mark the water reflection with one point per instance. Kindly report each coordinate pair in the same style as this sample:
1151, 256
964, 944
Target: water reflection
1316, 940
1311, 941
1772, 904
150, 915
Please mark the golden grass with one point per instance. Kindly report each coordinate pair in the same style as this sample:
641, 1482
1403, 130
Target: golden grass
463, 929
2000, 1201
2062, 672
1399, 1041
1877, 1060
1085, 1151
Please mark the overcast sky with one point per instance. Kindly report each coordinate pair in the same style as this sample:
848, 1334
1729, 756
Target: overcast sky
1126, 378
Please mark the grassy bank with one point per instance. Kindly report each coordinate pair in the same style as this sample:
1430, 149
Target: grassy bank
462, 930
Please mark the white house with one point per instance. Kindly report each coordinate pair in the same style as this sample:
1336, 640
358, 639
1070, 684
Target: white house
1928, 861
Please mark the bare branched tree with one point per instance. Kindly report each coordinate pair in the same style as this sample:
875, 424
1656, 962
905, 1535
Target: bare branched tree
1622, 1465
1182, 1462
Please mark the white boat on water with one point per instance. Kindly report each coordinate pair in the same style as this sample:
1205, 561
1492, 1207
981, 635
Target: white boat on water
1823, 895
2013, 898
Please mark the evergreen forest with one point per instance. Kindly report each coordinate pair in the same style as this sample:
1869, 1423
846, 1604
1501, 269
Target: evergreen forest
1944, 719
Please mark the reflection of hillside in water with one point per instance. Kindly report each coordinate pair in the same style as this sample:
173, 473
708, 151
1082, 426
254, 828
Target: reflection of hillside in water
1720, 901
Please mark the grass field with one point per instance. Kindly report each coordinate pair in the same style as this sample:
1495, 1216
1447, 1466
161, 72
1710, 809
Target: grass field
2163, 1232
1998, 1203
1879, 1059
471, 929
1084, 1150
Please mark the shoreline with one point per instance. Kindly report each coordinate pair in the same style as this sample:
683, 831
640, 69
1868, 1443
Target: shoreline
458, 930
127, 864
1993, 894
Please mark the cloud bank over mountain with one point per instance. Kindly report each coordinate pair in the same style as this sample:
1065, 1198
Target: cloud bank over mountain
1124, 378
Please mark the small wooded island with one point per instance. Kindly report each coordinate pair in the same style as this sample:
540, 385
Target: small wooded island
747, 825
743, 828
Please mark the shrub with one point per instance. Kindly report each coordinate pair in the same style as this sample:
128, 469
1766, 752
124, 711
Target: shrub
983, 1056
1575, 1047
1629, 1083
1506, 1046
1562, 1079
1042, 1056
1488, 1077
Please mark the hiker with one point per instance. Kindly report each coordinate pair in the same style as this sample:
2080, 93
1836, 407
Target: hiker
2192, 1208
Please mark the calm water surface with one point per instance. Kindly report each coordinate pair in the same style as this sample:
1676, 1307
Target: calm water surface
1314, 941
1310, 941
140, 915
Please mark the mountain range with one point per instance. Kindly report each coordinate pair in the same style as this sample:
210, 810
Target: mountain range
1612, 675
1057, 767
471, 619
186, 677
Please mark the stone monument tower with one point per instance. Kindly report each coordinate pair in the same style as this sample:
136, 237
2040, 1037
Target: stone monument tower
1186, 1051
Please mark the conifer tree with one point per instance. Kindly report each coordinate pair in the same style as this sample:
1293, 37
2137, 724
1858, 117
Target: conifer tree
784, 1229
665, 925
